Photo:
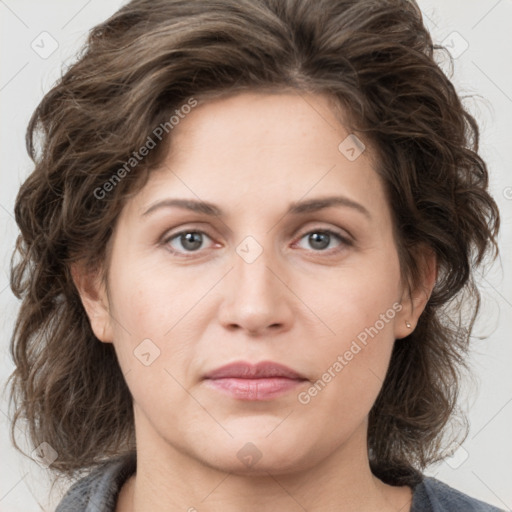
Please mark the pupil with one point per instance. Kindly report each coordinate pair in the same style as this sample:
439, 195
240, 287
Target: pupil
317, 242
189, 242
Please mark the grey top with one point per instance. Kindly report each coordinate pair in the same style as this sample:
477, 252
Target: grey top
98, 492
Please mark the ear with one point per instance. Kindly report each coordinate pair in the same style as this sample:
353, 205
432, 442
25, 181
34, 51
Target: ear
414, 300
93, 295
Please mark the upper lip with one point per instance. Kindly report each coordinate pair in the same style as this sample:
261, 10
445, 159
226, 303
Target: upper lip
261, 370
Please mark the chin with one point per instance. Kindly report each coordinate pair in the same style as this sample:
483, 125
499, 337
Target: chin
258, 451
269, 463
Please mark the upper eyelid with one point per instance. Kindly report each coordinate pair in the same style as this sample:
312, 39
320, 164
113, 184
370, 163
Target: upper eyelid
171, 233
343, 233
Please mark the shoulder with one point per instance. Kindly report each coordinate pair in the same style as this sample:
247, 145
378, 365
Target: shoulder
432, 495
98, 491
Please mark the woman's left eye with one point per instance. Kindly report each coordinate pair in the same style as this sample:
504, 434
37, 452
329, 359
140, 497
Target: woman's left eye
191, 241
320, 239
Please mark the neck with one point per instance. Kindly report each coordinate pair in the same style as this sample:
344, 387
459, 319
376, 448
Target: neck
169, 479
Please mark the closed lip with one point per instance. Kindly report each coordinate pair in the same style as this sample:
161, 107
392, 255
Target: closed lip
261, 370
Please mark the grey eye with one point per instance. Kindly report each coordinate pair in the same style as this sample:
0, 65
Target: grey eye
321, 239
190, 241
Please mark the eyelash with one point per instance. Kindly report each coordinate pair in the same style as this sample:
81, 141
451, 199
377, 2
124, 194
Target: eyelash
344, 240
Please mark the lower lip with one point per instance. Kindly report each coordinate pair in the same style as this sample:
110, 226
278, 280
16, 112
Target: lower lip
255, 389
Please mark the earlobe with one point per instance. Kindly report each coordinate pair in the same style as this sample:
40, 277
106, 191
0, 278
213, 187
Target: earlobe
415, 300
94, 298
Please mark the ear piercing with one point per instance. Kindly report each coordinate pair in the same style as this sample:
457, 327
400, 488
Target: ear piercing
407, 324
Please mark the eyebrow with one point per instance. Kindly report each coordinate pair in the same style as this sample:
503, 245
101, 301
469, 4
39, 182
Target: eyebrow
295, 208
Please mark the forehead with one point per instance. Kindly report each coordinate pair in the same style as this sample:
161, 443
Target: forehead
256, 150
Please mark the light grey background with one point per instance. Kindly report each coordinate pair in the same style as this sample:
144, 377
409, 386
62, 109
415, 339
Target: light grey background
479, 36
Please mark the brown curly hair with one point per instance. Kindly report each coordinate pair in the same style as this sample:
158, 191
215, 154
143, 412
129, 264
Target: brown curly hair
376, 60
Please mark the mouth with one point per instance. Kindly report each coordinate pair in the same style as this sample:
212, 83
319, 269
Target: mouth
262, 381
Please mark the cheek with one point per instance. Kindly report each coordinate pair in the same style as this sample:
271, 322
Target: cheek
354, 300
149, 300
155, 318
358, 312
349, 379
147, 318
140, 316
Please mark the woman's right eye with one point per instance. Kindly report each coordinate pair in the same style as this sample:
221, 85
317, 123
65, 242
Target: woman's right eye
189, 240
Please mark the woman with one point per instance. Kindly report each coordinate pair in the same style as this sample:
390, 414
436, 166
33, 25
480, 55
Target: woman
242, 254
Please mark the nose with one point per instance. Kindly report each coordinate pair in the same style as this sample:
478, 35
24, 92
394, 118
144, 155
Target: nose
256, 298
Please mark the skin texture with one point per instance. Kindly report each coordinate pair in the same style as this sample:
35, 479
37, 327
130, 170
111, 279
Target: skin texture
296, 304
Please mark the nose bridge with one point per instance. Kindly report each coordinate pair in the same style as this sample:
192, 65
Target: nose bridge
256, 298
252, 274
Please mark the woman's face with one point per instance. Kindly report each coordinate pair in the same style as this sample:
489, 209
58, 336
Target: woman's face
269, 277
